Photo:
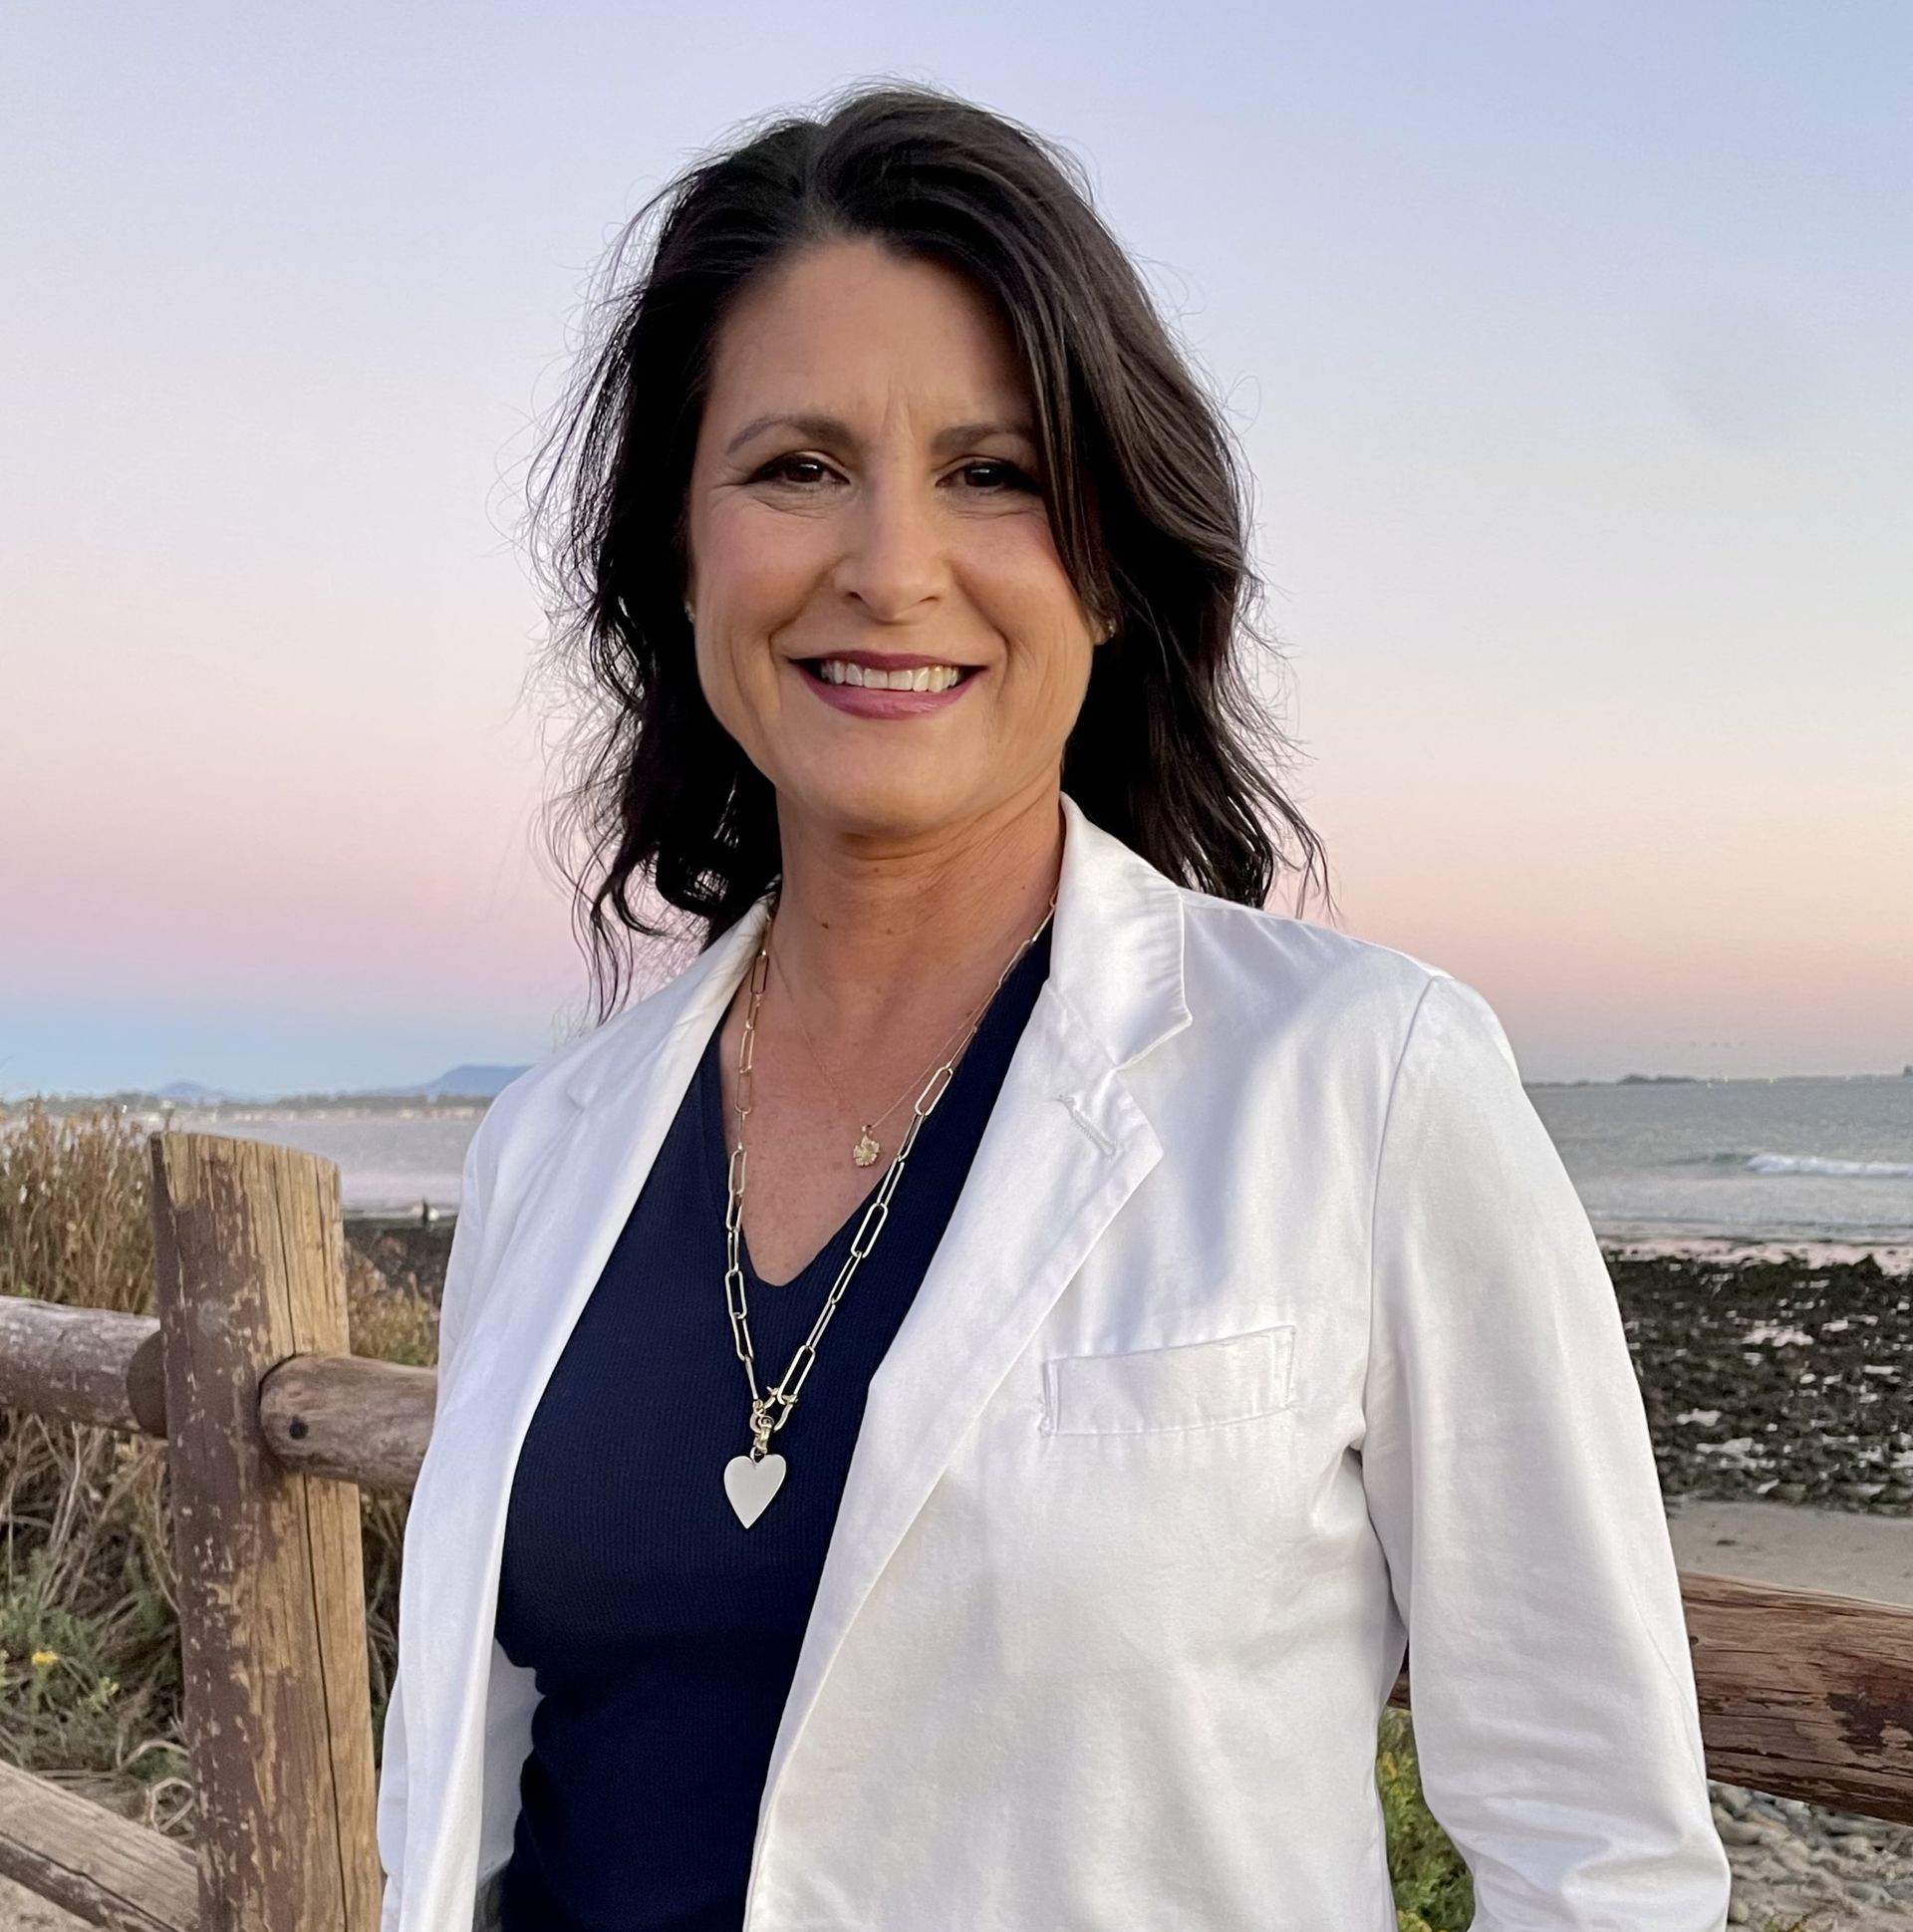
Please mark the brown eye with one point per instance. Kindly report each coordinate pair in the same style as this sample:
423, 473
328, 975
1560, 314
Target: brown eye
1006, 476
779, 468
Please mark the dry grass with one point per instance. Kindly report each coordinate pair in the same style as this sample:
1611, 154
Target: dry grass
90, 1684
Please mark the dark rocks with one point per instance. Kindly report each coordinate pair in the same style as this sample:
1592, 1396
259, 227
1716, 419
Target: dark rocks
1775, 1378
410, 1253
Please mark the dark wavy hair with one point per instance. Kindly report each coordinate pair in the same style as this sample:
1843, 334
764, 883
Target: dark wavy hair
1172, 750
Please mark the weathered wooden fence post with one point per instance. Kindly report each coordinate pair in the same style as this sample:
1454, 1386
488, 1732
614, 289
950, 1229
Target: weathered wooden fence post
250, 1255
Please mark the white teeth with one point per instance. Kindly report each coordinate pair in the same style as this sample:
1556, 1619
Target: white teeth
837, 670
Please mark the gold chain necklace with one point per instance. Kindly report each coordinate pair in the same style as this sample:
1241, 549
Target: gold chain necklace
866, 1146
750, 1480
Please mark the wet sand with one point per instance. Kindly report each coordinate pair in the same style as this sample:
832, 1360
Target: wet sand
1842, 1551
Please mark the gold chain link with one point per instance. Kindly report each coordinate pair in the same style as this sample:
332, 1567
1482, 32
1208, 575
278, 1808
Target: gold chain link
764, 1422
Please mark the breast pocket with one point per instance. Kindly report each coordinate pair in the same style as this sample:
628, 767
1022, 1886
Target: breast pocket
1146, 1521
1186, 1385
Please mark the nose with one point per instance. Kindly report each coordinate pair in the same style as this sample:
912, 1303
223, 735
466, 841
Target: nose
894, 558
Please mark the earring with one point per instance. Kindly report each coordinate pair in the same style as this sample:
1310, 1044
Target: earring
690, 616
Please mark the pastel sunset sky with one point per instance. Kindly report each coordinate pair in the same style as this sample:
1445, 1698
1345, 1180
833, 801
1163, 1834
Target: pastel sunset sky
1568, 346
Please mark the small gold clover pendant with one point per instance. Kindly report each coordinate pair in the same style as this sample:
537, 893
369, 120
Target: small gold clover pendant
866, 1150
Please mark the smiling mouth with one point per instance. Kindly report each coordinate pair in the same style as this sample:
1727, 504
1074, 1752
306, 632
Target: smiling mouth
814, 668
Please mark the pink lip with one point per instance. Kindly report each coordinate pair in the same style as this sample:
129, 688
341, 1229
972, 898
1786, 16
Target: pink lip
864, 701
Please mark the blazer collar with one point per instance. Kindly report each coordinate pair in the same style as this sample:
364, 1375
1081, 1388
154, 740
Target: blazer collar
1116, 962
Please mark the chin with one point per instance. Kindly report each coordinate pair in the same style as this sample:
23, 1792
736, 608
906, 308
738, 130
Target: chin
893, 797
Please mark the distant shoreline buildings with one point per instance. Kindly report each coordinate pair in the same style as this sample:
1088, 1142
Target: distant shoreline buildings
455, 1094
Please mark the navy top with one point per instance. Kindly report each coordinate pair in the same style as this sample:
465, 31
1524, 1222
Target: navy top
664, 1633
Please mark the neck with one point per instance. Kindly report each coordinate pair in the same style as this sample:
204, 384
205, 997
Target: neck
881, 935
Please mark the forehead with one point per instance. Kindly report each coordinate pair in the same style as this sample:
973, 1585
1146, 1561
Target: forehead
849, 326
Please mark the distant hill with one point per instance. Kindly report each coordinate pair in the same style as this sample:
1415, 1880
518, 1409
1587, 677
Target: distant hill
472, 1081
196, 1093
461, 1080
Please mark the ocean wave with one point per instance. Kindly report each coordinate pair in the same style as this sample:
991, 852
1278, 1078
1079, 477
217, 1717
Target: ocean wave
1741, 1161
1818, 1164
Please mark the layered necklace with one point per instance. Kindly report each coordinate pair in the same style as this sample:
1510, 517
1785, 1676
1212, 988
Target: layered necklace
752, 1480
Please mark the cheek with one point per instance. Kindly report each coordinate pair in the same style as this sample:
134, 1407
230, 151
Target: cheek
1019, 584
730, 696
714, 681
752, 573
761, 564
1050, 654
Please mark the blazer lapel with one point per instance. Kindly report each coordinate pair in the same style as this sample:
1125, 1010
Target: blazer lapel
1066, 1145
621, 1099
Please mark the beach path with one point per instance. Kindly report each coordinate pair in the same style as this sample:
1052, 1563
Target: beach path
1843, 1553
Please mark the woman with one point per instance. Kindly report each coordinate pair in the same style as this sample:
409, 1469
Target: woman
1189, 1310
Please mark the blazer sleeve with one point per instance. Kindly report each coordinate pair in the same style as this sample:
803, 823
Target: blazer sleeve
1510, 1478
467, 1237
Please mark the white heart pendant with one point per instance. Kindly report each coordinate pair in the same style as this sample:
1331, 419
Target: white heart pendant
750, 1485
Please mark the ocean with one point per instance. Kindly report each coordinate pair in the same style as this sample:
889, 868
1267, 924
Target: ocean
1791, 1160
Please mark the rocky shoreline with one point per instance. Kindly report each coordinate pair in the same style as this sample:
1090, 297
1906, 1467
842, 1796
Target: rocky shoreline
1774, 1377
411, 1253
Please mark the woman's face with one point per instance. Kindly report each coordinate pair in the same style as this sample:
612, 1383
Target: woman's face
865, 486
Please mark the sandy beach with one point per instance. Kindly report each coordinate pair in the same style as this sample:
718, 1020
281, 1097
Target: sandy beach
1795, 1548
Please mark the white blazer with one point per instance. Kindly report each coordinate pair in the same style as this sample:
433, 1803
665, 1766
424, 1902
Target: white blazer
1267, 1334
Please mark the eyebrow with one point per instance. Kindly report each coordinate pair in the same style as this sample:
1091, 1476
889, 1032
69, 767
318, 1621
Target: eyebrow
830, 429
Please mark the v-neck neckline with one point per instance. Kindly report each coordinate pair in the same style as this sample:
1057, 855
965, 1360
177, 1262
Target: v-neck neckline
716, 1169
716, 1137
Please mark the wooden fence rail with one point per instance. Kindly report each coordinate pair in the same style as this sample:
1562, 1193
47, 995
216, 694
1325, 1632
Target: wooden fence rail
272, 1426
